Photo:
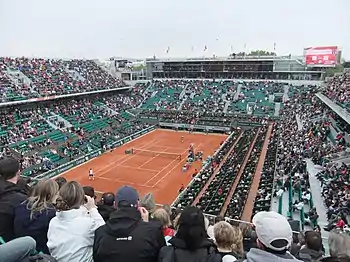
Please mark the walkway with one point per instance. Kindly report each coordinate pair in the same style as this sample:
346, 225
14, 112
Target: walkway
233, 188
299, 122
249, 204
196, 200
316, 195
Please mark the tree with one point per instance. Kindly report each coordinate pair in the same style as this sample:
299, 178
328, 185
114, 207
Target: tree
333, 70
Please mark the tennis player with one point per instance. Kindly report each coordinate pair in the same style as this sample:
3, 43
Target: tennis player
182, 139
91, 175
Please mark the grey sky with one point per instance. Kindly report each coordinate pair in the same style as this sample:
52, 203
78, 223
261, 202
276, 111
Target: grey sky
143, 28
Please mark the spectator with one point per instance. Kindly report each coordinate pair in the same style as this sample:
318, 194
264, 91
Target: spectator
339, 243
89, 191
128, 236
167, 208
191, 242
312, 250
249, 237
61, 181
210, 229
11, 195
162, 216
71, 232
273, 241
148, 202
106, 205
33, 216
17, 250
229, 241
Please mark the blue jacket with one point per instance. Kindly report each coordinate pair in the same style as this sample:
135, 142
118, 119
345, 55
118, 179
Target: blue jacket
36, 228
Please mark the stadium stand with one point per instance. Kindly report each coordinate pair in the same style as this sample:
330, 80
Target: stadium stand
338, 90
24, 78
50, 134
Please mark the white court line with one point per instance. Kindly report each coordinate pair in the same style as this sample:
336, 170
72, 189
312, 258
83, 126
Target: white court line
162, 178
133, 167
124, 157
116, 164
152, 158
90, 160
123, 182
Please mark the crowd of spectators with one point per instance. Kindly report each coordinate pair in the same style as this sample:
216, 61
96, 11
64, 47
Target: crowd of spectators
66, 129
336, 195
64, 221
338, 90
37, 77
293, 141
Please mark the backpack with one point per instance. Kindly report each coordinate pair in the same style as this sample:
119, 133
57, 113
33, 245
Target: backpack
40, 258
212, 255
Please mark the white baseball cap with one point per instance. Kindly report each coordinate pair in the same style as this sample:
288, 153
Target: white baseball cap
272, 226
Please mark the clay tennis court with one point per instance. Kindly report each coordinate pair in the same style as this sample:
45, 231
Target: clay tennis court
159, 173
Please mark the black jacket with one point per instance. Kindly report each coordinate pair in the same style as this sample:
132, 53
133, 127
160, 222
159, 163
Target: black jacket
105, 211
11, 195
309, 255
125, 237
178, 252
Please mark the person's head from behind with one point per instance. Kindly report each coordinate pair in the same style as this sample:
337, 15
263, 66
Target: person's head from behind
228, 238
339, 243
108, 199
313, 240
163, 217
70, 196
89, 191
191, 227
126, 197
43, 196
61, 181
274, 233
9, 170
167, 208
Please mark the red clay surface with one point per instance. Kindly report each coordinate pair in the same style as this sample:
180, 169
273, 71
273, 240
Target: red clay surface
147, 173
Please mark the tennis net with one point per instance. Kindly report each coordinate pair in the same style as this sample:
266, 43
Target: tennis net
151, 153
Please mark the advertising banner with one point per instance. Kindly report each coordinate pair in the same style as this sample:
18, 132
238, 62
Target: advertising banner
321, 56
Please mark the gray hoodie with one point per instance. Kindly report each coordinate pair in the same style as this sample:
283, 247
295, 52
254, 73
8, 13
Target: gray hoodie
258, 255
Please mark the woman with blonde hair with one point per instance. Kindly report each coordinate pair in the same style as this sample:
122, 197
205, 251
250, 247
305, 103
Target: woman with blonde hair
229, 241
71, 233
163, 217
33, 216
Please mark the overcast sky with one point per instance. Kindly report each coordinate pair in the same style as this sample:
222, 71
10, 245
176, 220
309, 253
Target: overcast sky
143, 28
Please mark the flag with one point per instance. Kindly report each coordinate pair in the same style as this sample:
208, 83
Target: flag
167, 50
205, 48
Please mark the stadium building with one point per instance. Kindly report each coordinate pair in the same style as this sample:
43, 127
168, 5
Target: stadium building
234, 67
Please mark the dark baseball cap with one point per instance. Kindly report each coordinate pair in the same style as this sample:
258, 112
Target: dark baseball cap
126, 196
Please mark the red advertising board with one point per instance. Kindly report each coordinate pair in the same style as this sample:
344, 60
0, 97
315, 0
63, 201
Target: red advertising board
326, 55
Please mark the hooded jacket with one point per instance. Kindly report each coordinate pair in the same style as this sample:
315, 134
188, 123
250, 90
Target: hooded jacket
258, 255
178, 252
11, 195
125, 237
35, 227
309, 255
